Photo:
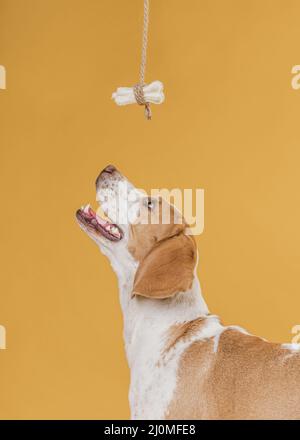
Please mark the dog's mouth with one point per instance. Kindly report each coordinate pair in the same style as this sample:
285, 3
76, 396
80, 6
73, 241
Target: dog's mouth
88, 218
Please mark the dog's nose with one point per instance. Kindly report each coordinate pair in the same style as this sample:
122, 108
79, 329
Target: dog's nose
109, 170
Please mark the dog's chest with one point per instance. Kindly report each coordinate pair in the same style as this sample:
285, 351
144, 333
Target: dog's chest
154, 372
153, 382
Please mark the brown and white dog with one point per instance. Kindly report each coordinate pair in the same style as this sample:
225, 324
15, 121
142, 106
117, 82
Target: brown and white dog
184, 363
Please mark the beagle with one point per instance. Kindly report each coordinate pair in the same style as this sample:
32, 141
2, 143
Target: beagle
184, 363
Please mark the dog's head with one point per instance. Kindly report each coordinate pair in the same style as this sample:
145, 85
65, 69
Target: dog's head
144, 230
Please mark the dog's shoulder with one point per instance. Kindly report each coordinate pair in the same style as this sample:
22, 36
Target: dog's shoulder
232, 374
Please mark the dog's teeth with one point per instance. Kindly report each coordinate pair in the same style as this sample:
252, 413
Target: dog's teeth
86, 208
115, 230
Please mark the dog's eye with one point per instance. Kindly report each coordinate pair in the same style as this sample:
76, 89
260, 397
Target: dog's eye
149, 204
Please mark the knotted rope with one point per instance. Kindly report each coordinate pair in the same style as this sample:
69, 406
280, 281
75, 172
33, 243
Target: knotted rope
140, 99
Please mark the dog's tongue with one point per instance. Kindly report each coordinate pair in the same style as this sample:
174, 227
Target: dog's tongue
90, 216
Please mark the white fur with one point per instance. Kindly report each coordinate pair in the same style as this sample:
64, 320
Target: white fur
293, 347
216, 340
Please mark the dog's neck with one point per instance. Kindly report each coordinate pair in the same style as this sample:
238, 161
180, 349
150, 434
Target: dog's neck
147, 320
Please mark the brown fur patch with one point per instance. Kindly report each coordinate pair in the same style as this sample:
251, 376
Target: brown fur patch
182, 332
247, 378
167, 269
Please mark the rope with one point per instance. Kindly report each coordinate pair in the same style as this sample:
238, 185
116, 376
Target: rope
144, 42
138, 88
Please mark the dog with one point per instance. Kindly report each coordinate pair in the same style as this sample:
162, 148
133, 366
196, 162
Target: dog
184, 363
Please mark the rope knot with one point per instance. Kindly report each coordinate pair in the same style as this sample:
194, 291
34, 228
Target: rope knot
140, 99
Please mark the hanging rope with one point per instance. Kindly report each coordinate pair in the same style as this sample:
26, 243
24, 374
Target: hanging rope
141, 93
144, 42
138, 88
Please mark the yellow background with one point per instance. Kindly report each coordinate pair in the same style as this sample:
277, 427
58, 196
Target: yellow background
230, 125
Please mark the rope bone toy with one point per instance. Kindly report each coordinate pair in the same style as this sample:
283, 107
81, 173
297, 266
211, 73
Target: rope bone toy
142, 93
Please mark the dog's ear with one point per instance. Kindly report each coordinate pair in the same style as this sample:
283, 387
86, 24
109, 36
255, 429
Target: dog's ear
167, 269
